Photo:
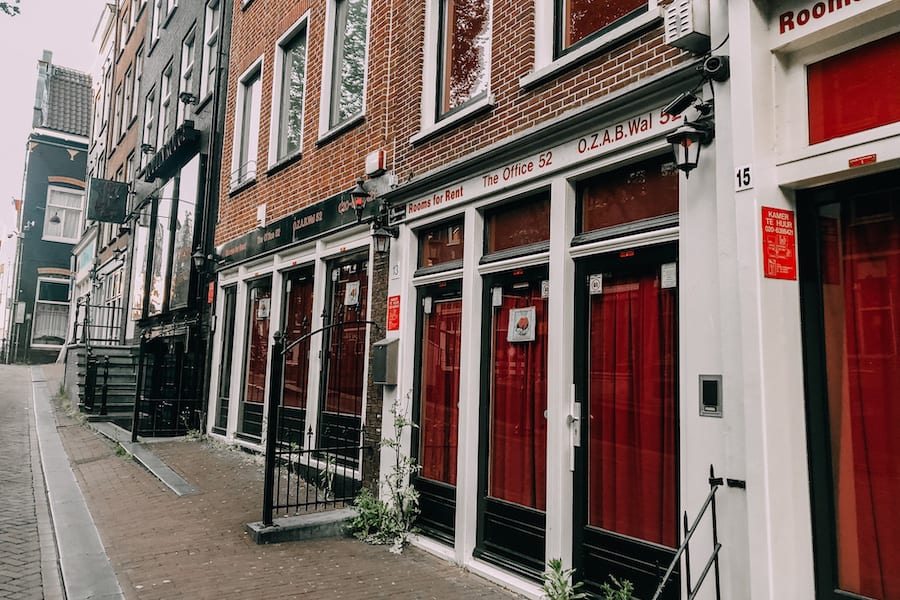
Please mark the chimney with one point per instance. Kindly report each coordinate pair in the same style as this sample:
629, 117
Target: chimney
40, 92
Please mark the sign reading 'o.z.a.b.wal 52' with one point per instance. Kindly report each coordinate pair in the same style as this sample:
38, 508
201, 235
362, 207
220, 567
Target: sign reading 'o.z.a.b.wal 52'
596, 143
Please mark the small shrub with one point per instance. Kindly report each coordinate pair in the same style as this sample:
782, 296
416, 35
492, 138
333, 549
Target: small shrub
621, 589
558, 582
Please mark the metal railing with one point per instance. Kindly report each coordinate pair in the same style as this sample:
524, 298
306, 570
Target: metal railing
713, 562
97, 323
92, 364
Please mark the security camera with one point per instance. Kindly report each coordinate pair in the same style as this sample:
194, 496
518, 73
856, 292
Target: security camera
716, 68
680, 104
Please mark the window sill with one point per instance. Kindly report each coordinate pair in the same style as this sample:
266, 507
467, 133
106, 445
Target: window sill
60, 240
203, 102
337, 130
589, 50
469, 112
284, 162
241, 185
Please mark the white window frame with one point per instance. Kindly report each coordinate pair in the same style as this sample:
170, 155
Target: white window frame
186, 83
165, 105
326, 127
300, 27
127, 100
210, 47
156, 24
38, 301
546, 66
246, 155
149, 123
49, 212
429, 124
124, 28
118, 106
136, 82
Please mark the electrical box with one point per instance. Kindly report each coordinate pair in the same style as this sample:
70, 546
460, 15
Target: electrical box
711, 396
686, 25
384, 362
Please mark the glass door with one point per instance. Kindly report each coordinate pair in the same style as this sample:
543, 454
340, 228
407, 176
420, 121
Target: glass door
344, 353
298, 302
256, 358
436, 411
850, 293
229, 298
626, 476
513, 473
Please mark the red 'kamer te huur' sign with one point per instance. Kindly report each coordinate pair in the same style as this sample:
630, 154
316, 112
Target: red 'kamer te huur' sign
393, 313
779, 246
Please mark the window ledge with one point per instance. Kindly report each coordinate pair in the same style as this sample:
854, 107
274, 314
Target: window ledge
201, 104
327, 136
589, 50
476, 108
284, 162
241, 185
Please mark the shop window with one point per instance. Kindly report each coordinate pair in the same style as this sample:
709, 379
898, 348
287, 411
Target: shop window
210, 48
638, 192
258, 320
161, 248
579, 20
441, 244
139, 268
246, 127
522, 222
465, 41
183, 233
838, 85
51, 313
225, 362
62, 216
348, 62
290, 92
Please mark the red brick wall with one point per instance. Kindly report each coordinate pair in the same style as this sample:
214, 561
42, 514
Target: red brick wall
334, 166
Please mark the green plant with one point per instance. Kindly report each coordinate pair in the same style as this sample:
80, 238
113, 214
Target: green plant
621, 589
390, 521
558, 582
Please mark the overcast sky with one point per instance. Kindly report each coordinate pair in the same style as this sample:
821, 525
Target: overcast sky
66, 28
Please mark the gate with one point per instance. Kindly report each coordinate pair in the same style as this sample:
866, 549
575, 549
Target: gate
298, 476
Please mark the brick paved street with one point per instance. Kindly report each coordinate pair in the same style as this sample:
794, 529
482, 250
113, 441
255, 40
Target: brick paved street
194, 546
20, 552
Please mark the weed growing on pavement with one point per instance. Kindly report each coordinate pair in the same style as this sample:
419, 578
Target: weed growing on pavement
121, 451
621, 589
390, 521
558, 582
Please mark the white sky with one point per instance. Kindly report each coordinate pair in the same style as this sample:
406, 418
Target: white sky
65, 27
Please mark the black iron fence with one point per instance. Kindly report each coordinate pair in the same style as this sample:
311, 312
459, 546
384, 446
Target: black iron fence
91, 369
97, 323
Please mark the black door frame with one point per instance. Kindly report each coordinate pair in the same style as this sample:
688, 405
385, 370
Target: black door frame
815, 385
437, 500
509, 535
641, 562
256, 409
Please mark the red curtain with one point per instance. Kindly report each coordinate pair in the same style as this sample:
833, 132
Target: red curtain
633, 409
258, 344
518, 450
440, 387
347, 346
861, 301
297, 324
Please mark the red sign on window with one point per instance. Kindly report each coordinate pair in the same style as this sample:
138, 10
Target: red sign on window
393, 313
778, 245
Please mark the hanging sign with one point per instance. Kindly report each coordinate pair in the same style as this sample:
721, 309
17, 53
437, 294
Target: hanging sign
393, 313
521, 325
351, 294
779, 243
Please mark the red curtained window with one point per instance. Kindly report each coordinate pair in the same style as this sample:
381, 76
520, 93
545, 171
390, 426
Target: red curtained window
860, 255
582, 18
258, 343
440, 391
518, 442
633, 409
297, 324
347, 343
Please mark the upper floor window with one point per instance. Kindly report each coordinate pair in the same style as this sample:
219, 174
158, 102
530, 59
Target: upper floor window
118, 130
348, 65
159, 11
62, 217
210, 47
138, 72
187, 74
579, 20
124, 27
149, 123
128, 106
246, 127
165, 103
51, 312
289, 93
465, 40
133, 12
520, 222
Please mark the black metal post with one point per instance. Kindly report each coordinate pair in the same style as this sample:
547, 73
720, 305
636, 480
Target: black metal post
275, 387
713, 483
105, 385
136, 413
90, 381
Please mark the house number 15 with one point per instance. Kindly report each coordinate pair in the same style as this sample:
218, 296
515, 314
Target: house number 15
743, 179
